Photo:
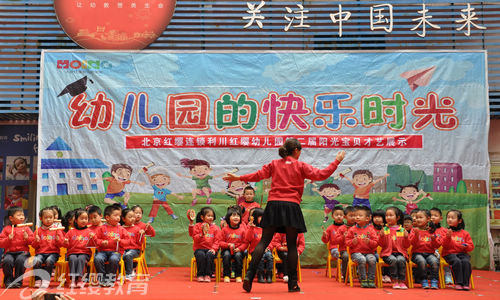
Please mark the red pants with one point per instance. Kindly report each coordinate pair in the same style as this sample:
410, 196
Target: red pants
156, 206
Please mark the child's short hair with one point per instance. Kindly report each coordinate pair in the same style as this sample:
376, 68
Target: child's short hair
414, 211
19, 188
248, 188
117, 205
65, 220
42, 211
329, 185
338, 207
203, 212
363, 172
137, 206
256, 212
349, 209
78, 213
379, 213
13, 210
94, 209
120, 166
235, 209
110, 209
366, 209
56, 208
407, 218
125, 211
436, 210
399, 213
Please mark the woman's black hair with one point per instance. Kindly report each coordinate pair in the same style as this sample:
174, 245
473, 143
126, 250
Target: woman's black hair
65, 220
460, 225
430, 224
78, 213
289, 146
230, 211
203, 211
125, 211
399, 213
256, 213
378, 213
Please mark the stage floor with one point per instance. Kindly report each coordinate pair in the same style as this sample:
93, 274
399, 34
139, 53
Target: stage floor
173, 283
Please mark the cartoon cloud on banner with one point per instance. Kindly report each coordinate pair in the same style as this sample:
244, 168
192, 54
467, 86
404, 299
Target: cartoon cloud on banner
114, 24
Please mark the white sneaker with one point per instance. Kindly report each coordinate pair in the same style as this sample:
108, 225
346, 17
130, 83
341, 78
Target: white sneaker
45, 284
386, 279
285, 278
38, 283
129, 277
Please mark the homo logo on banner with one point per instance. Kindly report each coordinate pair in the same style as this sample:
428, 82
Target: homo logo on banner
414, 124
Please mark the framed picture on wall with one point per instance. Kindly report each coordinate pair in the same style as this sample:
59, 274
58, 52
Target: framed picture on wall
16, 195
18, 168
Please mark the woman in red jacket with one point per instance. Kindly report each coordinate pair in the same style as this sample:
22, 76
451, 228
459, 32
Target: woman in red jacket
283, 213
456, 247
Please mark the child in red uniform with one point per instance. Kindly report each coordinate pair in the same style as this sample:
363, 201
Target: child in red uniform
232, 243
253, 236
340, 234
279, 242
456, 245
394, 242
147, 227
136, 237
76, 241
111, 240
249, 203
205, 243
425, 243
330, 233
362, 240
46, 244
436, 218
15, 240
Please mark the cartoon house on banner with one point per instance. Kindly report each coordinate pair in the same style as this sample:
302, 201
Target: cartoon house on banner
61, 175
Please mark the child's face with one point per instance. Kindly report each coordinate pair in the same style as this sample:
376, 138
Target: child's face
330, 193
208, 217
16, 194
236, 187
138, 214
47, 218
114, 218
249, 195
378, 220
421, 219
56, 214
452, 219
122, 174
350, 218
362, 218
409, 193
20, 164
82, 220
414, 218
338, 216
71, 221
160, 180
17, 218
436, 217
200, 171
390, 217
95, 219
362, 179
234, 219
129, 218
408, 225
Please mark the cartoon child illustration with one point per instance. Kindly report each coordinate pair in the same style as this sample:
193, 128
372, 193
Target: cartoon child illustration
362, 180
409, 194
200, 172
120, 176
19, 170
16, 198
235, 189
329, 191
159, 179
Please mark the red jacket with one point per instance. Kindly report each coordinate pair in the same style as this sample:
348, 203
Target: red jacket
340, 235
150, 231
393, 240
237, 237
423, 241
135, 238
247, 206
441, 233
253, 236
108, 233
78, 241
288, 176
279, 240
330, 234
18, 242
201, 241
459, 242
367, 232
50, 240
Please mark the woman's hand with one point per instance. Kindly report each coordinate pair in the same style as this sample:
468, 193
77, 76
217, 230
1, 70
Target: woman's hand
231, 177
340, 156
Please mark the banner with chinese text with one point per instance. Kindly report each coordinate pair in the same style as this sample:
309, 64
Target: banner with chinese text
414, 123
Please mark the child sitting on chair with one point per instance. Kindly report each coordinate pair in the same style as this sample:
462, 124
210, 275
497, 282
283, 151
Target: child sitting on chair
279, 243
254, 234
363, 241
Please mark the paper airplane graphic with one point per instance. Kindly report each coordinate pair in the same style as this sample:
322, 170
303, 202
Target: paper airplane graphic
76, 88
419, 77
